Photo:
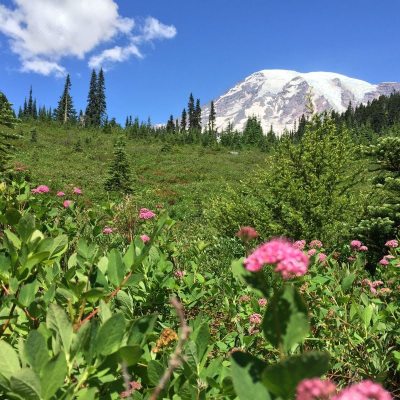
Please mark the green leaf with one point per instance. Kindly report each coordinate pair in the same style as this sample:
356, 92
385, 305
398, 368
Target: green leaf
246, 375
57, 321
9, 363
201, 338
26, 384
155, 371
36, 351
53, 375
110, 335
282, 378
26, 226
285, 322
16, 242
28, 293
13, 216
130, 355
87, 394
36, 259
366, 315
59, 246
140, 328
347, 282
116, 269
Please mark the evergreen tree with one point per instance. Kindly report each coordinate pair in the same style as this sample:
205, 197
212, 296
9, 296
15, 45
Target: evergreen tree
29, 109
253, 133
101, 99
191, 113
212, 117
170, 125
8, 120
197, 113
65, 111
91, 109
184, 120
119, 172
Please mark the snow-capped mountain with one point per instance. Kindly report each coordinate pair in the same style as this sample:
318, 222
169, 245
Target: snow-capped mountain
279, 97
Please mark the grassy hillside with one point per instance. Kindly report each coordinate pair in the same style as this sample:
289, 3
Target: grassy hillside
178, 177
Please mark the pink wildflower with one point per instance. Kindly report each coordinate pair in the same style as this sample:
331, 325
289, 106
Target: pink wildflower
262, 302
363, 248
67, 203
108, 231
60, 194
365, 390
290, 261
77, 191
355, 244
392, 243
132, 387
41, 189
384, 262
322, 257
244, 299
315, 389
255, 319
145, 213
247, 233
300, 244
315, 244
145, 238
179, 274
389, 257
351, 259
312, 252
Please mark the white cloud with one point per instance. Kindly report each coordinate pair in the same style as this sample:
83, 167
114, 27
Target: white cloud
42, 32
154, 29
43, 67
115, 54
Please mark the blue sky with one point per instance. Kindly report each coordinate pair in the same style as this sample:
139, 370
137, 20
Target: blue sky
167, 49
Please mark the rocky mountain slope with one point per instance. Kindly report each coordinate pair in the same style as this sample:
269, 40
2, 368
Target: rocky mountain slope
279, 97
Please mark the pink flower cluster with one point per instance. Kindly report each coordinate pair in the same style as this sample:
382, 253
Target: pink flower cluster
247, 233
312, 389
77, 190
107, 231
132, 387
179, 274
289, 260
392, 244
67, 203
255, 319
358, 246
145, 238
40, 189
145, 213
315, 244
300, 244
317, 389
262, 302
372, 285
244, 298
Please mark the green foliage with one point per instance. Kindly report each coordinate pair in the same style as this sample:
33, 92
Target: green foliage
119, 173
303, 191
65, 111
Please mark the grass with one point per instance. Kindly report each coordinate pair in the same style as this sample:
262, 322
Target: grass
181, 178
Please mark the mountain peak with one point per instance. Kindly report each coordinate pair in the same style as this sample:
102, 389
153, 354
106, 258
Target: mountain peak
278, 97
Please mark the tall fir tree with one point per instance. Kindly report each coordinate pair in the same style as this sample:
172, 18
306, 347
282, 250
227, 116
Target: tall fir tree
7, 119
101, 99
91, 109
191, 113
65, 111
119, 178
29, 108
170, 124
197, 113
183, 120
212, 117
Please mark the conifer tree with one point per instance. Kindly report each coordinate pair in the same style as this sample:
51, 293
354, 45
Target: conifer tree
7, 119
65, 111
191, 113
119, 178
101, 99
91, 109
212, 117
197, 113
29, 108
183, 120
170, 125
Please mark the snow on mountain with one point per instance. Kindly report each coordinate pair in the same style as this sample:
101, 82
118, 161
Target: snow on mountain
279, 97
